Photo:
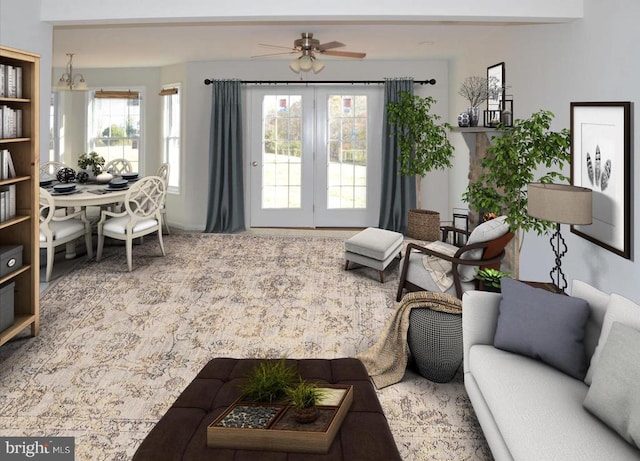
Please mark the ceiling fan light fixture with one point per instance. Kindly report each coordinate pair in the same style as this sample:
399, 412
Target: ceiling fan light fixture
295, 66
317, 66
306, 63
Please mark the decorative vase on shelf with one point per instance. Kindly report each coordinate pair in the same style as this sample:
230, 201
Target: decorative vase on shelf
474, 115
463, 119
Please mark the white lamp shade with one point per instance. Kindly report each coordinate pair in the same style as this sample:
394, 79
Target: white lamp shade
295, 66
317, 66
560, 203
305, 63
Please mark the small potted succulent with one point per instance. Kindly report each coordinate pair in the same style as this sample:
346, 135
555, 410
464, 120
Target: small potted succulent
304, 398
490, 278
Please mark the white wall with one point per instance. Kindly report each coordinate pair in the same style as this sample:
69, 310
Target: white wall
74, 110
20, 27
548, 67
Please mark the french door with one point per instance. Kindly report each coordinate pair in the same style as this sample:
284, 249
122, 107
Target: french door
315, 156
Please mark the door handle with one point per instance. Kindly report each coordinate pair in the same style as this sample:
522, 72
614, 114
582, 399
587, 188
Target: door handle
254, 163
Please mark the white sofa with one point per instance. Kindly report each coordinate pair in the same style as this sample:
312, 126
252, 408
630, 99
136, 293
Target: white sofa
529, 410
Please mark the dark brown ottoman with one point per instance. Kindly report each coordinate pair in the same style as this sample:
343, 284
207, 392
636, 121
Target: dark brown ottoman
181, 434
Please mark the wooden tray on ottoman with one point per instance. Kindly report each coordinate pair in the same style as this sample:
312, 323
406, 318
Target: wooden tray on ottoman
281, 432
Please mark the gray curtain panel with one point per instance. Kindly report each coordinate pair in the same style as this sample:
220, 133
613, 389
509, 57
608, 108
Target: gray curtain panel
226, 197
398, 193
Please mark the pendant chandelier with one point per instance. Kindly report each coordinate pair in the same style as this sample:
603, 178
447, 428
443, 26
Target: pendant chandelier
70, 81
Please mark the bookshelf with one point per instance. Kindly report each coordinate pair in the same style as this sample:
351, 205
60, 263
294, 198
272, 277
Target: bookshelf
23, 227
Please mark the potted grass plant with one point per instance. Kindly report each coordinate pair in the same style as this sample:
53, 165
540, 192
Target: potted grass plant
304, 397
269, 381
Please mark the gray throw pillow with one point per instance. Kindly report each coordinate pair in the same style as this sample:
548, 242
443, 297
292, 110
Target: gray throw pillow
543, 325
613, 396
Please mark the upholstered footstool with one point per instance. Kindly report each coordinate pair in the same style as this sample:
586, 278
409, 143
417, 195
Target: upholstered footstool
181, 434
374, 248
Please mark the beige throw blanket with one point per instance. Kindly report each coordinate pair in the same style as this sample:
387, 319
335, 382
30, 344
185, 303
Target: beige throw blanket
440, 269
386, 360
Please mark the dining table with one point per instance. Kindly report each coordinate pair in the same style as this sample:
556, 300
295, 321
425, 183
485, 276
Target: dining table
86, 195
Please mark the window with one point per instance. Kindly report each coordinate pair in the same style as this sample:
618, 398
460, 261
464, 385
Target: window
114, 125
171, 133
55, 139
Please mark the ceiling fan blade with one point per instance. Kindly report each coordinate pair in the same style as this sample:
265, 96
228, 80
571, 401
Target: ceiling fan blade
274, 54
276, 46
326, 46
344, 54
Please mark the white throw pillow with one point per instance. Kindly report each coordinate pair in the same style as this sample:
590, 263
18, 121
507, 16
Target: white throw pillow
486, 231
621, 310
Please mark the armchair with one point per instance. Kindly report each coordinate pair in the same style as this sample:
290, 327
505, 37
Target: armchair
484, 249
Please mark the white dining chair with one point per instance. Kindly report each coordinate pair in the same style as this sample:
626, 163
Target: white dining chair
163, 172
118, 166
49, 170
56, 230
141, 216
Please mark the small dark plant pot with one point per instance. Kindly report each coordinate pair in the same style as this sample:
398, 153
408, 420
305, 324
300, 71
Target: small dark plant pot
305, 415
489, 287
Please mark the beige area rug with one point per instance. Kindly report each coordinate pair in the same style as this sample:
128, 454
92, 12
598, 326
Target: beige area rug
116, 348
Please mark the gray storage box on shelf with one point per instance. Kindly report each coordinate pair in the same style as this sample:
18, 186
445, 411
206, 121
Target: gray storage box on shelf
10, 259
6, 305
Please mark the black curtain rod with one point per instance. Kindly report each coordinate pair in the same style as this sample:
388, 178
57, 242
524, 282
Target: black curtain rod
334, 82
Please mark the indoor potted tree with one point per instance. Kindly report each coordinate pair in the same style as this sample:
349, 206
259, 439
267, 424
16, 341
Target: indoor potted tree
511, 164
424, 146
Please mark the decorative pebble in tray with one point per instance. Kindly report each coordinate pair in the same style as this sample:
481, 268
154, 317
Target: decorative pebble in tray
248, 416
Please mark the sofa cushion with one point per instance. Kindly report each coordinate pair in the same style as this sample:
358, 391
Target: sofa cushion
598, 301
543, 325
488, 230
539, 411
620, 309
613, 396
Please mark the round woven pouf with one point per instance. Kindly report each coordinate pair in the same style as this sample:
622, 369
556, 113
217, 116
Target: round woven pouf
435, 342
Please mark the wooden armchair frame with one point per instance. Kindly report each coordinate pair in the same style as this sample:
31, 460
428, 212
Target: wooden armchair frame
493, 252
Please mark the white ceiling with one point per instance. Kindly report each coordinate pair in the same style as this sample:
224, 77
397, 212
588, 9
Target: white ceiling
152, 45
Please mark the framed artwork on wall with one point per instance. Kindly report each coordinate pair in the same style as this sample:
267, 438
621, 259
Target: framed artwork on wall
600, 160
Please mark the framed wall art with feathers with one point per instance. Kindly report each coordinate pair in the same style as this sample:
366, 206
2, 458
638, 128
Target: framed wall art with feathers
600, 160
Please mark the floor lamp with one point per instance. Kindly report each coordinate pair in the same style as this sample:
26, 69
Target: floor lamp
562, 204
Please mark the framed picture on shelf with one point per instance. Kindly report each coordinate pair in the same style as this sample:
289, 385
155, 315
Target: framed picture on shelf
600, 161
495, 86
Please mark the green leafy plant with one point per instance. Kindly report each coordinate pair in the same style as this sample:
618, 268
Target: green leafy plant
424, 145
490, 277
91, 160
269, 381
511, 164
305, 394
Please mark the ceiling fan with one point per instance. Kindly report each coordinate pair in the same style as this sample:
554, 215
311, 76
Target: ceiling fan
308, 47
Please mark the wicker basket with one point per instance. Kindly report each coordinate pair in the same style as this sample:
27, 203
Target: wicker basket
424, 225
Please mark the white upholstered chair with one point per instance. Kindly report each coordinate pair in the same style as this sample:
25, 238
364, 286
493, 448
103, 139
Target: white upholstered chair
56, 230
118, 166
445, 268
141, 216
163, 172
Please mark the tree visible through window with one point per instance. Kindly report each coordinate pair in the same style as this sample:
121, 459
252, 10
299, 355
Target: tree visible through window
114, 128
